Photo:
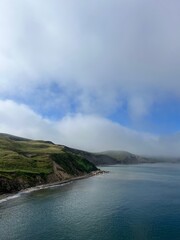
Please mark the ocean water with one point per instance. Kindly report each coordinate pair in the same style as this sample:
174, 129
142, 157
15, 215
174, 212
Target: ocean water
133, 202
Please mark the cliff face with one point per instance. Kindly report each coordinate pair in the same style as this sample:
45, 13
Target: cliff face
26, 163
13, 183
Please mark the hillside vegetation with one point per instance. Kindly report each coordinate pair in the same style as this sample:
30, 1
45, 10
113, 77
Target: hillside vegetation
25, 163
124, 157
113, 157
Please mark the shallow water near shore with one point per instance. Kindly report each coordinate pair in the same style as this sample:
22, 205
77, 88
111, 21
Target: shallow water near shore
132, 202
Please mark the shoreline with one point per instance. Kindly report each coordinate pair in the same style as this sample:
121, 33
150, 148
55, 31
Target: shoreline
9, 196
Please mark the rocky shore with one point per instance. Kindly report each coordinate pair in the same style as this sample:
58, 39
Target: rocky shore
6, 197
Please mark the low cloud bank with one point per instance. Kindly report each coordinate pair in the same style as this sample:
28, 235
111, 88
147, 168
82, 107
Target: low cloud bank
87, 132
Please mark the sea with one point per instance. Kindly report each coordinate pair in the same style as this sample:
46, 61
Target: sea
131, 202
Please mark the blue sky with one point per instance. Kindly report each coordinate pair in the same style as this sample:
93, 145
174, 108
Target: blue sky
95, 75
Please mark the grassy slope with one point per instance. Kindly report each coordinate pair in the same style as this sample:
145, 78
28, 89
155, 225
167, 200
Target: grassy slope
124, 157
31, 161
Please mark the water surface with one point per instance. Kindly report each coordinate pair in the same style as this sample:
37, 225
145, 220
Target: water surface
132, 202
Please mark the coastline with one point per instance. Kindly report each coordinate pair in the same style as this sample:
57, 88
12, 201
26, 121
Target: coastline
6, 197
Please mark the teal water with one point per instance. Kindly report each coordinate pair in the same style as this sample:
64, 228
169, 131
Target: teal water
135, 202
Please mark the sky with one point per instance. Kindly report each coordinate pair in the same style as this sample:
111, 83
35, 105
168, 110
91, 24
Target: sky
95, 75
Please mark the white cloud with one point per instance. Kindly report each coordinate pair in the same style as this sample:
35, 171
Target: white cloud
87, 132
21, 120
109, 51
103, 55
139, 106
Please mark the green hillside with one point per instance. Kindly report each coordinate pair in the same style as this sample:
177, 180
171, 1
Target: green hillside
123, 157
25, 163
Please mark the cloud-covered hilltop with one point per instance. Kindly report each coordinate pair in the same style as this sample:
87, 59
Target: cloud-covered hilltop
95, 75
86, 132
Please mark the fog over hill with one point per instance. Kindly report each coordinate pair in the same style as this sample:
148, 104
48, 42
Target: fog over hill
93, 75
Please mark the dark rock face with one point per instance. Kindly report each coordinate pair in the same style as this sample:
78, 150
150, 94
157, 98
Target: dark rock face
18, 183
8, 186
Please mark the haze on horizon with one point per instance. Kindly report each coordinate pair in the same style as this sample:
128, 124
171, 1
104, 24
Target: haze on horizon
94, 75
